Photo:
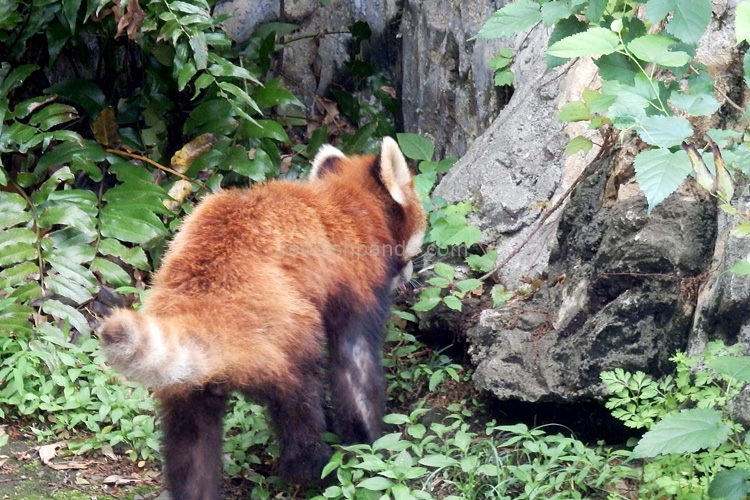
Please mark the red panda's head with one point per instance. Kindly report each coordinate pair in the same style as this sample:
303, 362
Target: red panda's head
388, 175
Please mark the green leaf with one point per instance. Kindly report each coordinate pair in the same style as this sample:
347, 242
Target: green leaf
16, 78
500, 296
660, 172
686, 432
732, 484
17, 252
65, 312
594, 42
453, 302
617, 67
595, 10
482, 263
135, 256
416, 147
453, 230
131, 224
12, 209
734, 366
272, 95
511, 20
111, 272
70, 9
564, 29
578, 143
468, 285
444, 270
655, 49
695, 105
200, 49
741, 267
742, 22
376, 483
554, 11
664, 131
85, 93
575, 111
439, 461
689, 21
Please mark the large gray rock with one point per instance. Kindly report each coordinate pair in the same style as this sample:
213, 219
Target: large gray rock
618, 295
445, 86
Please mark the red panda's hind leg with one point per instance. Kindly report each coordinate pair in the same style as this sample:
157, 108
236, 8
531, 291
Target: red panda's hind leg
192, 426
296, 413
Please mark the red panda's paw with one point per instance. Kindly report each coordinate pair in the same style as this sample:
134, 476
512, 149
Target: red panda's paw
305, 468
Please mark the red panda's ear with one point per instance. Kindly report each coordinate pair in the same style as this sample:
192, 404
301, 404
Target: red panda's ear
325, 161
394, 172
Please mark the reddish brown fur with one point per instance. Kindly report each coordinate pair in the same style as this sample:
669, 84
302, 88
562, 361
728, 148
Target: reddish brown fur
241, 292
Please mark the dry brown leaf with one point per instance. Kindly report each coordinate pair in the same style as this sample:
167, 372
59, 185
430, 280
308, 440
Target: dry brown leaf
178, 192
131, 21
80, 480
184, 158
119, 480
49, 451
105, 128
108, 452
69, 465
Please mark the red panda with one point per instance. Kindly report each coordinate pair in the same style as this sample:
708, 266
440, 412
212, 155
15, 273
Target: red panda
260, 291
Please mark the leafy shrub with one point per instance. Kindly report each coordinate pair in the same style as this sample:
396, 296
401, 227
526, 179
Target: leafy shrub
692, 447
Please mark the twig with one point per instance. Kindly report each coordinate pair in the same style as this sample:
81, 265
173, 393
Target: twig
159, 166
585, 173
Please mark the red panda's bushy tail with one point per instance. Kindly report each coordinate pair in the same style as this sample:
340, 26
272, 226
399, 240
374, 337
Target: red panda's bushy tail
145, 350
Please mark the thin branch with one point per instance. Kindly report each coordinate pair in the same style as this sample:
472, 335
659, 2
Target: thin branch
159, 166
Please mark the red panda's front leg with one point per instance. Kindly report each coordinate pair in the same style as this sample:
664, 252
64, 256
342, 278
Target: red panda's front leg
358, 385
192, 426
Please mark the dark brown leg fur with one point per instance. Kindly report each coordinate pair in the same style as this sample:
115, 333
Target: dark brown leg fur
297, 416
192, 426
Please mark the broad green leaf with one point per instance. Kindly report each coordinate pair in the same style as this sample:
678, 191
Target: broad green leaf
742, 22
660, 172
468, 285
741, 267
17, 252
578, 143
12, 209
16, 78
554, 11
664, 131
135, 256
12, 276
617, 67
511, 20
452, 230
734, 366
689, 21
224, 67
200, 48
85, 93
70, 9
595, 10
187, 72
500, 296
27, 292
564, 29
482, 263
416, 147
428, 300
453, 302
655, 49
593, 42
67, 288
111, 272
732, 484
438, 461
376, 483
686, 432
65, 312
132, 225
444, 270
575, 111
695, 105
503, 78
271, 94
